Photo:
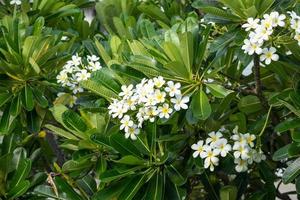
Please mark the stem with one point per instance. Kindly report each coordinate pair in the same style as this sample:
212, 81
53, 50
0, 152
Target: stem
109, 118
259, 92
258, 84
266, 122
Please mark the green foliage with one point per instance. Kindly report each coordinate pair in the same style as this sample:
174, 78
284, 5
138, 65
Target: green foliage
52, 149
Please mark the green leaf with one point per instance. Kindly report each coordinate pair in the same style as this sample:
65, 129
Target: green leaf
102, 52
34, 65
5, 164
236, 7
106, 77
200, 105
218, 90
40, 98
263, 5
113, 191
172, 137
215, 11
74, 121
77, 165
291, 172
121, 29
18, 190
298, 185
38, 26
223, 41
21, 172
187, 51
19, 154
290, 107
296, 135
155, 188
281, 153
5, 121
173, 191
287, 125
4, 97
115, 43
123, 145
133, 187
131, 160
88, 184
15, 106
99, 89
111, 175
228, 193
176, 177
47, 191
202, 48
28, 100
176, 63
154, 12
62, 185
249, 104
33, 122
61, 132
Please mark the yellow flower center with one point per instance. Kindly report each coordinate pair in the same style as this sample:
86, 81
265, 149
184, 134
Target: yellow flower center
269, 55
165, 110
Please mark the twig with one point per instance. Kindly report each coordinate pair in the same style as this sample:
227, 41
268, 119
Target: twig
258, 84
259, 92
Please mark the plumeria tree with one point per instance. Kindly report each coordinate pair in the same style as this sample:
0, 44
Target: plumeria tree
149, 100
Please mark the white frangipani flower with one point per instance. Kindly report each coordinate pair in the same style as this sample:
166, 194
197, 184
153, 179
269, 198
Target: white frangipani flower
249, 139
213, 138
251, 24
173, 89
159, 96
268, 55
198, 147
62, 78
259, 156
180, 102
126, 91
210, 158
76, 70
126, 122
241, 152
223, 146
278, 19
132, 132
241, 165
159, 81
94, 66
297, 38
15, 2
251, 48
146, 101
76, 60
83, 75
165, 111
93, 58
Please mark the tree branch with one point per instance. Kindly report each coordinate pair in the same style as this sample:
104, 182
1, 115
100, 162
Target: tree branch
258, 90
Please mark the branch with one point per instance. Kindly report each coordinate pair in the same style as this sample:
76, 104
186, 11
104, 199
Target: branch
258, 84
258, 90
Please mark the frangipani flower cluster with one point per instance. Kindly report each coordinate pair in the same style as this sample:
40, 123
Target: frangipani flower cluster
295, 25
261, 30
78, 69
15, 2
148, 100
240, 146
